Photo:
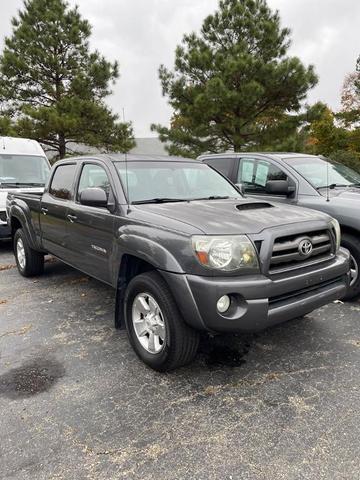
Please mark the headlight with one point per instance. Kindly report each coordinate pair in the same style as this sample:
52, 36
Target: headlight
337, 229
225, 253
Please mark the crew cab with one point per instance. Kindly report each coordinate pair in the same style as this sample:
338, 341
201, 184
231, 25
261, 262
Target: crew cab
304, 180
181, 246
23, 168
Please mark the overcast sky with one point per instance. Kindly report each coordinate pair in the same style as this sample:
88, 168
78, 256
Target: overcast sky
142, 34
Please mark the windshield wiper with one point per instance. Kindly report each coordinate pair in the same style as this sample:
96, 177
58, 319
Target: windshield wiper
339, 185
332, 186
159, 200
212, 197
21, 184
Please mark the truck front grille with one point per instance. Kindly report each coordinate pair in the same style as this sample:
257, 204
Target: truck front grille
295, 251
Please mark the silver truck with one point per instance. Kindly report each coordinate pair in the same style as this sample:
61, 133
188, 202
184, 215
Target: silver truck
304, 180
23, 168
181, 246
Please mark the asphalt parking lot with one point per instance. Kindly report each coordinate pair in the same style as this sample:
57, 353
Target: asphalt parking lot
76, 403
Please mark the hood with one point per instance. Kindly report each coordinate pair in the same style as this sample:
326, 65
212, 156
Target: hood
350, 193
4, 193
229, 217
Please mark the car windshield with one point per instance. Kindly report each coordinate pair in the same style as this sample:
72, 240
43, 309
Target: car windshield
23, 170
322, 173
156, 182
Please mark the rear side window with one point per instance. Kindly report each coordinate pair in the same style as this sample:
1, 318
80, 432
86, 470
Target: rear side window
222, 165
62, 181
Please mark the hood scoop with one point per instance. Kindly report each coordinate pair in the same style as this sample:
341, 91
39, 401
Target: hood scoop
253, 206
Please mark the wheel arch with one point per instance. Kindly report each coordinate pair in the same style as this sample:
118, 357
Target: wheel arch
350, 230
130, 267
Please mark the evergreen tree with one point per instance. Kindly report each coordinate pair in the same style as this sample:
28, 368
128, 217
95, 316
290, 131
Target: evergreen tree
233, 82
53, 82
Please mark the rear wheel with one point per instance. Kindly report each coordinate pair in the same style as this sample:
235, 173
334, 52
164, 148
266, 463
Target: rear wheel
352, 243
29, 261
156, 330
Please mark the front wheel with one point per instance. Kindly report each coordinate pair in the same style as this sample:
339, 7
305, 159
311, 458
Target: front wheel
154, 324
352, 243
29, 261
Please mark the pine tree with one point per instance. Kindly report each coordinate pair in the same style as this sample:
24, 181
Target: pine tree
55, 85
232, 82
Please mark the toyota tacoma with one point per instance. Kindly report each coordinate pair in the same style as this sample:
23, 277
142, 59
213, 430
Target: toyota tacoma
185, 251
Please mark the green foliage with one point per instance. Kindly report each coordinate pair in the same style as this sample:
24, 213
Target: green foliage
55, 84
326, 136
6, 127
232, 85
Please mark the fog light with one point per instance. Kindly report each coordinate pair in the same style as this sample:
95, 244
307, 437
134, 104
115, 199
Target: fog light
223, 304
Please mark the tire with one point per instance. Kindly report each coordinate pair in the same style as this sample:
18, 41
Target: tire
177, 343
29, 262
352, 243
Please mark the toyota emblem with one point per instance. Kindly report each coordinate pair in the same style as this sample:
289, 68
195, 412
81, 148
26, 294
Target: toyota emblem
305, 247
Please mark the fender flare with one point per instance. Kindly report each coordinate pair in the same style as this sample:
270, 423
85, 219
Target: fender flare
22, 215
143, 249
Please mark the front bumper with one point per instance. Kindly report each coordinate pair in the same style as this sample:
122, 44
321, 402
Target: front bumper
258, 301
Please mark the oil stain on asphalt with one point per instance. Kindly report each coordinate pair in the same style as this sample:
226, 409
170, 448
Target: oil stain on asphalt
34, 377
219, 352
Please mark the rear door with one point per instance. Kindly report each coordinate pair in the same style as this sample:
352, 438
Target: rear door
54, 208
91, 229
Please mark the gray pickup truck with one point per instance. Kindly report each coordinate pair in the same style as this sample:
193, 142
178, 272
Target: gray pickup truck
184, 250
304, 180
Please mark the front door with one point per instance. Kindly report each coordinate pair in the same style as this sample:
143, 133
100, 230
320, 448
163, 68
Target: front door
254, 173
91, 229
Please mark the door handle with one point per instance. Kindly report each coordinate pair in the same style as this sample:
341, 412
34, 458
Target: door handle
72, 218
44, 210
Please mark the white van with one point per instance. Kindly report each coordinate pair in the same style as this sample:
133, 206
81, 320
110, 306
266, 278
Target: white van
23, 168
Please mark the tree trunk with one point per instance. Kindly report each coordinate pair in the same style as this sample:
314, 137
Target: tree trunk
62, 146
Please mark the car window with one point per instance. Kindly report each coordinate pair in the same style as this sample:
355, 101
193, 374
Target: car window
222, 165
23, 169
176, 180
93, 176
254, 174
62, 181
322, 173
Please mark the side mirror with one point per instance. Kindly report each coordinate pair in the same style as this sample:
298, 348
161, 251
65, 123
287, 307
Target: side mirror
279, 187
241, 188
93, 197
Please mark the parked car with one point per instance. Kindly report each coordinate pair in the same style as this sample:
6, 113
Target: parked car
184, 250
23, 168
303, 180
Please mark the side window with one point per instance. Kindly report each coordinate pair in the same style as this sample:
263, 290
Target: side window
62, 181
222, 165
254, 174
93, 176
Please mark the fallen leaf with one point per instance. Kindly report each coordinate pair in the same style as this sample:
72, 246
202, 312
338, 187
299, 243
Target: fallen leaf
6, 267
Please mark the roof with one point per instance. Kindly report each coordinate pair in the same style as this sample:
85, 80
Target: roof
287, 155
20, 146
132, 157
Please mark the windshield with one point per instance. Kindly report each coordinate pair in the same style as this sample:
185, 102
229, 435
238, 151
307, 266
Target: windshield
172, 181
23, 170
322, 173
